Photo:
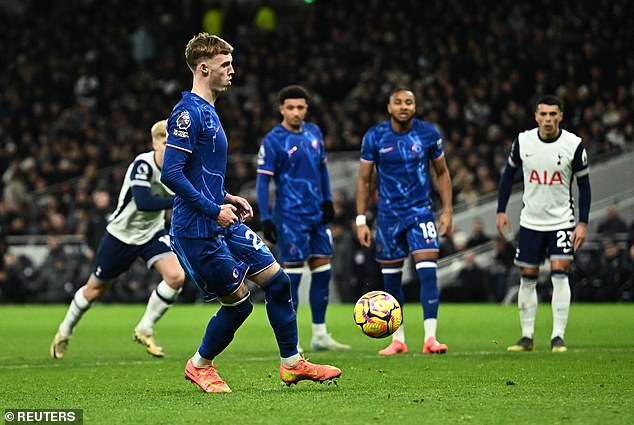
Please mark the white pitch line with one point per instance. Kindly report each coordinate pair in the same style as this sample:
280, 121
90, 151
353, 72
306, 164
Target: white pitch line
57, 365
232, 357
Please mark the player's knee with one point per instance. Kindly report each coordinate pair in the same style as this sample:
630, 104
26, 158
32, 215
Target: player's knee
239, 310
93, 290
278, 286
175, 278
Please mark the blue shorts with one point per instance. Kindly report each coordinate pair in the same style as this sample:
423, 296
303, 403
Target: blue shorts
396, 237
533, 246
115, 257
297, 240
218, 265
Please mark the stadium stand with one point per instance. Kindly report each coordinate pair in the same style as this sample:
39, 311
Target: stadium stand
84, 83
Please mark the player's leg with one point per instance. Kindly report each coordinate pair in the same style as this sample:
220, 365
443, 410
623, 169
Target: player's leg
113, 258
560, 251
247, 247
530, 253
429, 298
293, 250
234, 310
321, 273
422, 239
81, 302
216, 276
293, 368
173, 277
294, 272
390, 254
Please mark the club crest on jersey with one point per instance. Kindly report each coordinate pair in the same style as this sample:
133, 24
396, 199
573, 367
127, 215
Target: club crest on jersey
315, 144
545, 178
417, 148
292, 150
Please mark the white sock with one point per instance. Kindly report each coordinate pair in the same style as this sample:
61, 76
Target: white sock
560, 303
399, 334
200, 361
527, 304
77, 308
319, 329
292, 360
160, 300
430, 328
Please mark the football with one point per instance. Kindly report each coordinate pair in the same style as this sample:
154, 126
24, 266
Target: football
378, 314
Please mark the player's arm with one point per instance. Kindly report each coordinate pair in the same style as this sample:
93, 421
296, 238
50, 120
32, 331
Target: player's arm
580, 168
363, 195
140, 178
146, 201
443, 182
505, 186
173, 177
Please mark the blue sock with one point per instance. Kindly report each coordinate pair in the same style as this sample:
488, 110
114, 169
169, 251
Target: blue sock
295, 277
279, 309
428, 288
392, 277
222, 327
319, 292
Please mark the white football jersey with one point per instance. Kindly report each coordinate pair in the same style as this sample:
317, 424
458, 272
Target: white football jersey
549, 168
127, 223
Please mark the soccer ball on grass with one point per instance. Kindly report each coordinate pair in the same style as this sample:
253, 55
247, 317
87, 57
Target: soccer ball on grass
378, 314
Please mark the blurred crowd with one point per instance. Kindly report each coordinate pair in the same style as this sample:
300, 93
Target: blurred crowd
84, 81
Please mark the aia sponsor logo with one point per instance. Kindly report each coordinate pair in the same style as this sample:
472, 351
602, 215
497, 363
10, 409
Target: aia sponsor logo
544, 177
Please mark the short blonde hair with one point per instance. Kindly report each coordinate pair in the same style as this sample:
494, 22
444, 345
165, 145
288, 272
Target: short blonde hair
159, 130
205, 46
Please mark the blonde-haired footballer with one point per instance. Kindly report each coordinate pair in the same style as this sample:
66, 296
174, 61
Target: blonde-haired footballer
135, 229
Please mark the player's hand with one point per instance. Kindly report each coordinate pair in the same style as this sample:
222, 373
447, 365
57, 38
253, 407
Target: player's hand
502, 223
328, 211
445, 225
268, 228
244, 208
227, 216
364, 235
579, 236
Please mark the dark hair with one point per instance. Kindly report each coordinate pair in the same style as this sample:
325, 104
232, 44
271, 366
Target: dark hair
550, 99
293, 92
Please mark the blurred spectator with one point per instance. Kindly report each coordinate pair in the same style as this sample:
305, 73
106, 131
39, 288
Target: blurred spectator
56, 276
98, 214
473, 283
604, 281
502, 269
613, 224
626, 290
478, 235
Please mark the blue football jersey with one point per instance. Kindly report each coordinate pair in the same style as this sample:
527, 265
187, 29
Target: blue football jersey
402, 161
295, 161
194, 127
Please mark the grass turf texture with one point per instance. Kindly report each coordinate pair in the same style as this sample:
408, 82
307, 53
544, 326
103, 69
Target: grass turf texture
477, 382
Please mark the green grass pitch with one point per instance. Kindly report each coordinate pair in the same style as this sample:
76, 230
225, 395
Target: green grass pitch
477, 382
